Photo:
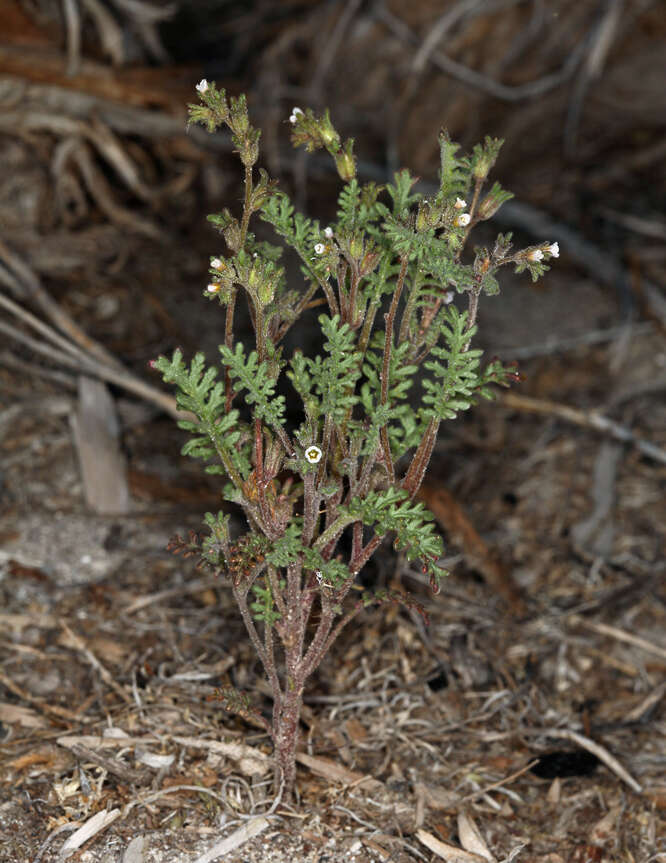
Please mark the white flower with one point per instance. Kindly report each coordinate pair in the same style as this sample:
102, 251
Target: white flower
554, 249
320, 248
313, 454
292, 119
202, 86
463, 219
213, 289
294, 115
535, 255
328, 232
296, 111
216, 263
448, 297
460, 204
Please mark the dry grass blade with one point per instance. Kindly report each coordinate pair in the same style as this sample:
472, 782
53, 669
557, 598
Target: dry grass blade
49, 709
441, 28
99, 363
476, 794
73, 26
600, 42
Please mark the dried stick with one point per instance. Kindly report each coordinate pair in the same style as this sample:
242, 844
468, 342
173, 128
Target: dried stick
26, 285
73, 27
483, 82
621, 635
598, 44
601, 752
93, 367
587, 419
78, 643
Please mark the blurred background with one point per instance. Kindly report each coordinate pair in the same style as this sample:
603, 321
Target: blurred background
104, 243
104, 192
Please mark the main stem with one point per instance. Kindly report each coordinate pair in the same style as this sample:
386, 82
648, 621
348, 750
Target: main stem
285, 738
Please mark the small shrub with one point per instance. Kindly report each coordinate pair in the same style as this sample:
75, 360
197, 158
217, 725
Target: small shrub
360, 453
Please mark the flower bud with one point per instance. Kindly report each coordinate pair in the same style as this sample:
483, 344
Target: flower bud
329, 137
424, 217
356, 246
368, 263
488, 207
232, 235
344, 162
266, 291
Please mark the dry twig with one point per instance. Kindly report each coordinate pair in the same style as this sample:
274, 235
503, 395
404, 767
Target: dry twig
596, 749
621, 635
586, 419
482, 82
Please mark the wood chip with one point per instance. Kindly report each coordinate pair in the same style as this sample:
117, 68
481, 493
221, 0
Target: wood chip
447, 852
605, 828
103, 466
251, 762
24, 716
91, 828
471, 839
239, 837
335, 772
134, 851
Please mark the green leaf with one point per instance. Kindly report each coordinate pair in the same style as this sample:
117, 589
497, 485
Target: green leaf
256, 379
392, 511
215, 431
455, 369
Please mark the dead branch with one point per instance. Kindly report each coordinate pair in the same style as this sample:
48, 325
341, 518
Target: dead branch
586, 419
93, 359
476, 79
596, 749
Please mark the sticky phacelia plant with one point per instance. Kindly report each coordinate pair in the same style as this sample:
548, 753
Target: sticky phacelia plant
385, 273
